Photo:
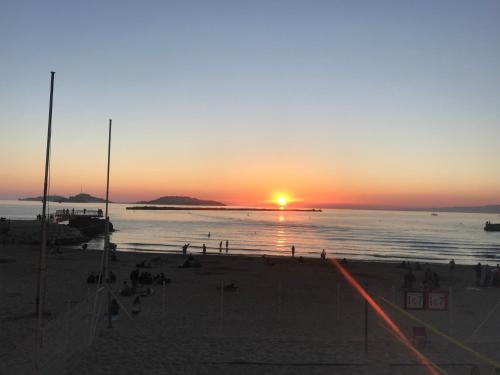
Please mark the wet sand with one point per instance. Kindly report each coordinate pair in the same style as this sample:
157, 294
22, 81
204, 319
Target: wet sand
284, 318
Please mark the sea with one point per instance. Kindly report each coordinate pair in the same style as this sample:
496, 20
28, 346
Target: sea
371, 235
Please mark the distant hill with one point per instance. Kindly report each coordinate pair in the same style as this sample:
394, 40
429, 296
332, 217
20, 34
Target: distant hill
488, 209
51, 198
182, 201
79, 198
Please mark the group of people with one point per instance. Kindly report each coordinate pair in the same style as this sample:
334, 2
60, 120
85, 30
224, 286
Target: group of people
147, 278
486, 275
430, 281
144, 264
97, 278
204, 247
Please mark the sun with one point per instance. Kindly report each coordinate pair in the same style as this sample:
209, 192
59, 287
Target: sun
281, 200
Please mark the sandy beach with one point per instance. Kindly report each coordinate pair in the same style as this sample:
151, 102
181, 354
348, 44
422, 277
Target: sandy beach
284, 317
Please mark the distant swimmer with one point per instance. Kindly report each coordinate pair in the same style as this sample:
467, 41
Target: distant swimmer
208, 235
293, 251
227, 246
220, 247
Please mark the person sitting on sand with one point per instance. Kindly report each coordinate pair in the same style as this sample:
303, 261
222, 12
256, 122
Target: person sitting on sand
136, 306
323, 255
204, 249
269, 262
126, 290
229, 288
91, 279
84, 246
134, 277
452, 264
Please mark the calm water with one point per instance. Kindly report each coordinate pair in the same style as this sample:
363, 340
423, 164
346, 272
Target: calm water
369, 235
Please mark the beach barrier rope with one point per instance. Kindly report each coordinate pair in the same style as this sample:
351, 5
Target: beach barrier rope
396, 331
382, 314
65, 340
440, 333
485, 320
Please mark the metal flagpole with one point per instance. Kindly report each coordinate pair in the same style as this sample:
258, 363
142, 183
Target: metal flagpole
42, 270
106, 238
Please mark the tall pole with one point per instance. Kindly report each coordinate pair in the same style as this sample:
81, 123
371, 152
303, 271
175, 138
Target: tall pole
366, 325
42, 270
106, 239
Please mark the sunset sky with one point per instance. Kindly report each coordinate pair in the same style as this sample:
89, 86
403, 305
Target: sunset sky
391, 103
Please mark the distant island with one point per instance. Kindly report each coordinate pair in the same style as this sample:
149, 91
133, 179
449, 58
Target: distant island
79, 198
182, 201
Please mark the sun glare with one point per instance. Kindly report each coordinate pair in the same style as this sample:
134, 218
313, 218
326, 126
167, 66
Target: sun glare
281, 200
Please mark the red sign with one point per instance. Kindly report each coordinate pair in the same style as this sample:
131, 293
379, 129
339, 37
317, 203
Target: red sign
436, 300
414, 300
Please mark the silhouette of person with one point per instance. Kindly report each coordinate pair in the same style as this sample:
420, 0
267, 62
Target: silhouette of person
478, 269
323, 255
208, 235
204, 249
227, 246
293, 251
184, 248
220, 247
115, 308
136, 306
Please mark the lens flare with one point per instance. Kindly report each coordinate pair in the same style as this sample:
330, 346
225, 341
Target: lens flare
380, 312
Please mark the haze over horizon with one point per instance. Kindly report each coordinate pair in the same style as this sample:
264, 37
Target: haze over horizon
384, 104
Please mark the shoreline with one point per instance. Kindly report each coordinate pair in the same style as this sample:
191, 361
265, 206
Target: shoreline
196, 208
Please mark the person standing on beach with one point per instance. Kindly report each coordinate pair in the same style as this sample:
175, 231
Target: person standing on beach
227, 246
208, 235
204, 249
220, 247
293, 251
478, 269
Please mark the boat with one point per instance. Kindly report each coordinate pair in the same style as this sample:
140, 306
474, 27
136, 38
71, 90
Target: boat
491, 227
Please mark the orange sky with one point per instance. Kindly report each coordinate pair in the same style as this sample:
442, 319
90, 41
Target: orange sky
388, 105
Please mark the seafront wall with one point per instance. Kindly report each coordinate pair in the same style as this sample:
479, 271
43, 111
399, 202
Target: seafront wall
29, 232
